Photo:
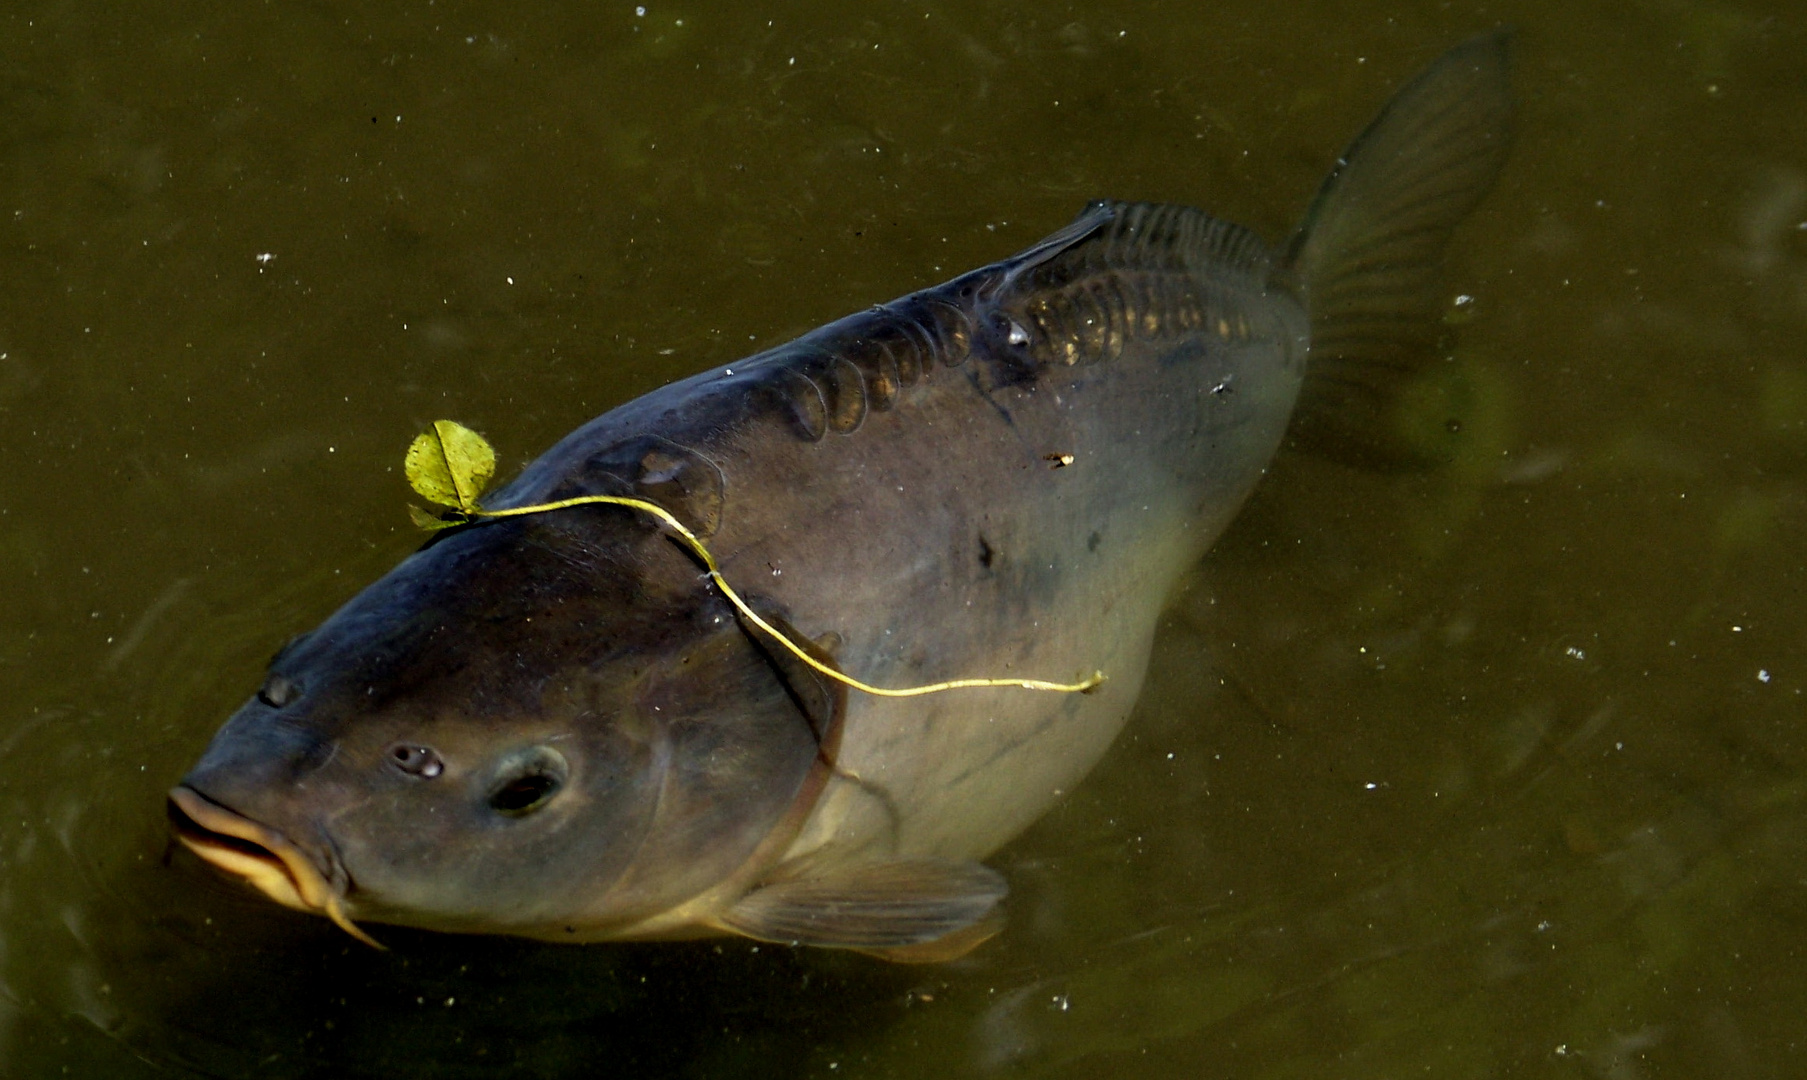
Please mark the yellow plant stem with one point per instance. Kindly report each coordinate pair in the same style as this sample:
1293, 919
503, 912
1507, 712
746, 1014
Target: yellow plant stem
715, 574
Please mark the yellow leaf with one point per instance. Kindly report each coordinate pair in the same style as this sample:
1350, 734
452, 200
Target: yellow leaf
427, 520
450, 464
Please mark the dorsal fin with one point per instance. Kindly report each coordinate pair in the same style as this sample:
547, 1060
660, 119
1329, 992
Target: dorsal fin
1119, 271
1124, 236
1125, 272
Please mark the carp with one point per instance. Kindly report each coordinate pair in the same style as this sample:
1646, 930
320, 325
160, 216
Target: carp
554, 725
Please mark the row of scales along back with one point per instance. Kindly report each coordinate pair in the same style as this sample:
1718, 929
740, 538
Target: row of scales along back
1120, 273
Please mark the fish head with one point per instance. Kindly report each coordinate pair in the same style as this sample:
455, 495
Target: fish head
545, 726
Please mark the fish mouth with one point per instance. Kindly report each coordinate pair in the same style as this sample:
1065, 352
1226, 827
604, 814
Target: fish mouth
259, 855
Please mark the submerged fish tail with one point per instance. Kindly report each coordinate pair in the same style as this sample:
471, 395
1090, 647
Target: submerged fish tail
1365, 259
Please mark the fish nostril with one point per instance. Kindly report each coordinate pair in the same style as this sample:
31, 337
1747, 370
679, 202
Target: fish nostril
278, 690
416, 760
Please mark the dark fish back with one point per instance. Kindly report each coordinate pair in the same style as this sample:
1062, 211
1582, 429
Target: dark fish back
1120, 274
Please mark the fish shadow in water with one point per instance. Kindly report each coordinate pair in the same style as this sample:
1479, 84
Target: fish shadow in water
276, 996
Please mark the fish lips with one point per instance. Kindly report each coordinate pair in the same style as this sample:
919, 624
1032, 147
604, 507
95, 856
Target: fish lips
261, 856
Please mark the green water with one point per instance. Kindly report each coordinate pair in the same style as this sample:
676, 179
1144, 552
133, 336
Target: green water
1494, 770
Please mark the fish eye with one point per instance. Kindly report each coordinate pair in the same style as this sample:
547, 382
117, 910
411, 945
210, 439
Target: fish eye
278, 690
416, 760
528, 781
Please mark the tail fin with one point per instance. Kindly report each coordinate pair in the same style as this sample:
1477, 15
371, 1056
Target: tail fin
1367, 254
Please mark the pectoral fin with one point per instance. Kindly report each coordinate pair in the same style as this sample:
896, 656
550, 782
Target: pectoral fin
909, 910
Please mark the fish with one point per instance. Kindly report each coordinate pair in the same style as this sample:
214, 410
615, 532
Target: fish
555, 726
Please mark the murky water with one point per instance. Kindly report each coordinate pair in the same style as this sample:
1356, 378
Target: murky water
1494, 770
